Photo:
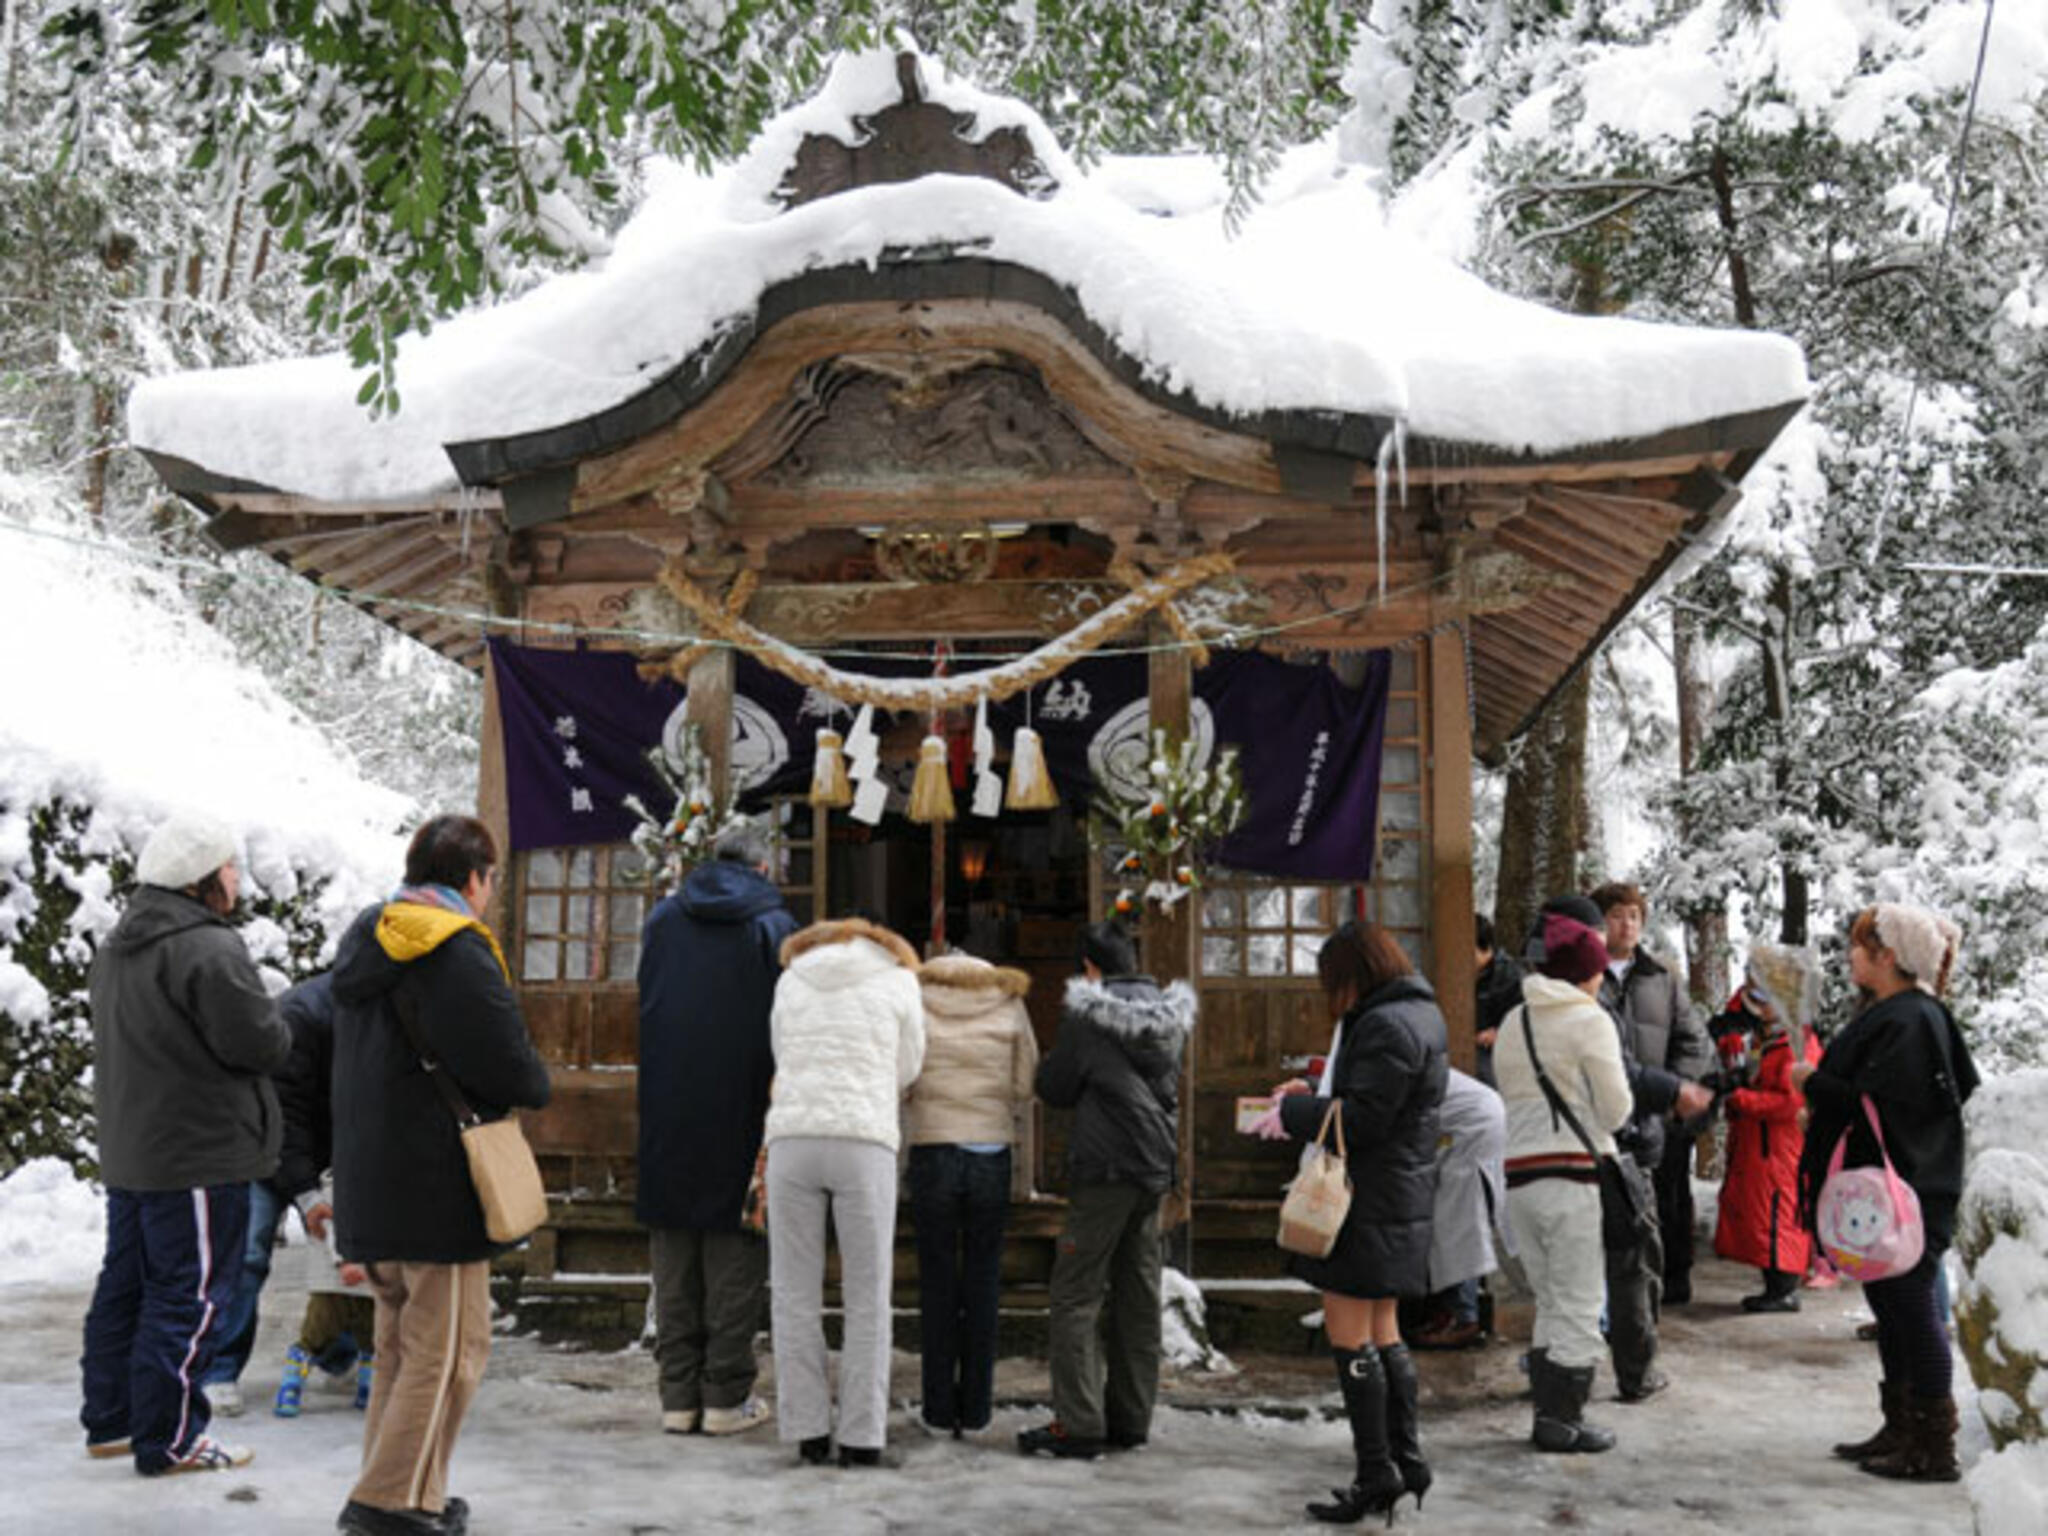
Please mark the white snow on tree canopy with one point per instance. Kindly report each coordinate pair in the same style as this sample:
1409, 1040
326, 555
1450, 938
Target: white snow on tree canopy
1315, 305
117, 697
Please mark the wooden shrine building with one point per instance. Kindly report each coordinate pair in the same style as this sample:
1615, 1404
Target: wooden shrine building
906, 381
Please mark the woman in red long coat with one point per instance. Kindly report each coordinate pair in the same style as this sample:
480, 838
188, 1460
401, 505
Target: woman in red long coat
1759, 1222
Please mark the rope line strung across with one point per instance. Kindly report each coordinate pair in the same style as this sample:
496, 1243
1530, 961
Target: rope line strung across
246, 568
721, 619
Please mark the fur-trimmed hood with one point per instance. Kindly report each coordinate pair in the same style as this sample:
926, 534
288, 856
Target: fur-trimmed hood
1134, 1008
845, 930
966, 984
848, 1031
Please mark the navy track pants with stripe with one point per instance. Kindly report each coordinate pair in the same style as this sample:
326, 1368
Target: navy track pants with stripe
172, 1261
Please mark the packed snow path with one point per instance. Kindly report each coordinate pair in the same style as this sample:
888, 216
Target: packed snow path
566, 1441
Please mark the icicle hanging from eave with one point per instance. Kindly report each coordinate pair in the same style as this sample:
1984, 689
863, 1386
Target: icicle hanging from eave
1394, 449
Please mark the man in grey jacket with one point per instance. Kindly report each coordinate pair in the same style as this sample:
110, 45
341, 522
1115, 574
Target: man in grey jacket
184, 1040
1667, 1035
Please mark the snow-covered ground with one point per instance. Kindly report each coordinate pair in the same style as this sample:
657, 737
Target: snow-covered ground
567, 1441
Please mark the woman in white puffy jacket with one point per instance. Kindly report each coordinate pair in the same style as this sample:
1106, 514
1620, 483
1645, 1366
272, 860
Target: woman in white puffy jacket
848, 1030
1553, 1177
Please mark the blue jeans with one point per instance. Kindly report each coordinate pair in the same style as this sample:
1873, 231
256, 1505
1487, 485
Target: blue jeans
238, 1323
960, 1202
173, 1260
1465, 1300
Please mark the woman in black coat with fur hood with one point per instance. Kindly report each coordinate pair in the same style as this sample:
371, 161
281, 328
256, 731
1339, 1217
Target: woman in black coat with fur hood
1385, 1072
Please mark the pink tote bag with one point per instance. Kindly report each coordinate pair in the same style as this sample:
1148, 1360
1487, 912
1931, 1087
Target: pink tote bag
1868, 1219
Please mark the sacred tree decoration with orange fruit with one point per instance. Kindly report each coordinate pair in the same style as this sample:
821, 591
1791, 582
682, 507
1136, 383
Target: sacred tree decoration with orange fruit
1163, 823
674, 844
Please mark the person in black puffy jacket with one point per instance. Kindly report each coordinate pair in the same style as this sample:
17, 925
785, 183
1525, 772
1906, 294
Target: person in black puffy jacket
1116, 1064
1385, 1077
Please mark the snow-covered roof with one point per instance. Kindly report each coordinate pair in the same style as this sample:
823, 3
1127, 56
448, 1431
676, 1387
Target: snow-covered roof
1315, 304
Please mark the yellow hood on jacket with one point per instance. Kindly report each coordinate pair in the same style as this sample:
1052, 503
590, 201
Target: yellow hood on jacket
406, 930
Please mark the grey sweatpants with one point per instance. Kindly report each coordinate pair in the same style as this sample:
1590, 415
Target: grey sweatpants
854, 1182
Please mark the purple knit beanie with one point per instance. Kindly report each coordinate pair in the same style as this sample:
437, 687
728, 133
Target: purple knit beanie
1572, 951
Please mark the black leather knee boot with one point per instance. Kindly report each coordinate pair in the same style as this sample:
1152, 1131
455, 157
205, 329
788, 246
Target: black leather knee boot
1404, 1428
1378, 1482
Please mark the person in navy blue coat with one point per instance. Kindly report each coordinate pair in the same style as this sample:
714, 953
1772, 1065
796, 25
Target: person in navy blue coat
709, 961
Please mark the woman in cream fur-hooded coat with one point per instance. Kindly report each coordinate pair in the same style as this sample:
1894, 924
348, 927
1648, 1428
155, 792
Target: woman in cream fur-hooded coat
964, 1116
848, 1029
980, 1054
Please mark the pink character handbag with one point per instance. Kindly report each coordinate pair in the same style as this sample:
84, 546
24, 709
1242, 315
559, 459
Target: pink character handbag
1868, 1219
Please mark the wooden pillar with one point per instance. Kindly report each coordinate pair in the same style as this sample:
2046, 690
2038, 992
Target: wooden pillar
935, 940
709, 708
494, 804
506, 598
1453, 968
1168, 938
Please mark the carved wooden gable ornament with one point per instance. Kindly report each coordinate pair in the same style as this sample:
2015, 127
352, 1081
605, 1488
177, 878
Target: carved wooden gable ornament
913, 137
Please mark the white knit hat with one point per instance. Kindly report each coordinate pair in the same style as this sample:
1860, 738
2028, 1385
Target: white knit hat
1921, 940
184, 850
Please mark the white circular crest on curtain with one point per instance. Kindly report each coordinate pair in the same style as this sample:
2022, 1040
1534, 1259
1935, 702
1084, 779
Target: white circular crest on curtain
760, 750
1119, 751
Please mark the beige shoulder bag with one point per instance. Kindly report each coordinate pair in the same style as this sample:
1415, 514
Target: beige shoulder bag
501, 1164
1319, 1198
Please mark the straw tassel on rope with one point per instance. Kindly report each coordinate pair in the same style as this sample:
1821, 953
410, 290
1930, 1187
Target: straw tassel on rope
830, 786
1031, 786
931, 792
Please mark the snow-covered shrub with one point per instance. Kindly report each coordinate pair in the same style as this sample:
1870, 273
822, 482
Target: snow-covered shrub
1184, 1330
64, 868
2002, 1236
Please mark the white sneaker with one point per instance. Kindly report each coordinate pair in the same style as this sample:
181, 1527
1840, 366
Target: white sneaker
211, 1455
679, 1421
751, 1414
224, 1398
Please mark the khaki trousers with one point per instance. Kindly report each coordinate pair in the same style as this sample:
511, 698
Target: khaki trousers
1105, 1314
433, 1338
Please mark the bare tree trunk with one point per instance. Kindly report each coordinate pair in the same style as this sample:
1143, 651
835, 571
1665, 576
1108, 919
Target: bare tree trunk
1545, 816
98, 450
236, 212
1706, 926
1778, 700
117, 254
1778, 709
